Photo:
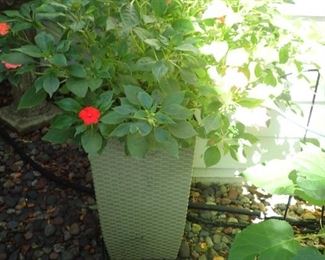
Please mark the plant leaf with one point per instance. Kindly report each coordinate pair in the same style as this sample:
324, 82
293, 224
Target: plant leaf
79, 87
78, 71
113, 118
63, 121
273, 176
69, 105
16, 58
31, 98
91, 141
177, 112
44, 41
310, 253
30, 50
50, 84
159, 70
145, 99
137, 145
182, 129
121, 130
131, 93
271, 239
58, 136
59, 60
212, 156
284, 53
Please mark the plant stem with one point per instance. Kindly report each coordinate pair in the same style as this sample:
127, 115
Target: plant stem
309, 236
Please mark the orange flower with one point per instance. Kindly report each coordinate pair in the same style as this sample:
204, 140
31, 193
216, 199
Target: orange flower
89, 115
10, 66
4, 29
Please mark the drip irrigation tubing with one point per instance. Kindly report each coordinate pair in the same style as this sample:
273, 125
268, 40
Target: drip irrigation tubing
44, 172
306, 226
218, 208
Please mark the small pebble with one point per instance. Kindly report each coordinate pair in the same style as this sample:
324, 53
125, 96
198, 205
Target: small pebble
49, 230
74, 229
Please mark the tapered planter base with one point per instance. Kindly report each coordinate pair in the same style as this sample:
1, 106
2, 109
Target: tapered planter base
27, 120
142, 203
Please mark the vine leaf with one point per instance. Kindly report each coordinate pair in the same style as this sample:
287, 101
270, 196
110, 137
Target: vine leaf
302, 175
273, 176
310, 175
271, 239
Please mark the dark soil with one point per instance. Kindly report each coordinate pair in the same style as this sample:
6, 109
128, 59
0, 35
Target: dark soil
39, 219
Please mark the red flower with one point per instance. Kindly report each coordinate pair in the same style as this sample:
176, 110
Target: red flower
4, 29
10, 66
89, 115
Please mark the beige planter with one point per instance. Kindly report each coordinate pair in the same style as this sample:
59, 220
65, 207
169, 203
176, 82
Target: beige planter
142, 203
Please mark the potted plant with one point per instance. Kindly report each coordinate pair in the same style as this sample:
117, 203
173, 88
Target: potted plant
137, 83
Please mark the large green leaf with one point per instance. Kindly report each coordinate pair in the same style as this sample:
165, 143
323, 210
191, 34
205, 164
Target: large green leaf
176, 97
16, 58
30, 50
59, 60
113, 118
78, 71
302, 175
79, 87
310, 175
177, 112
309, 253
273, 176
31, 98
210, 123
51, 84
44, 41
58, 136
212, 156
63, 121
145, 99
271, 240
183, 130
69, 105
121, 130
137, 145
91, 141
131, 93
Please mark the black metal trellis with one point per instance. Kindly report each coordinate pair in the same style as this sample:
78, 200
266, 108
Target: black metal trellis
305, 136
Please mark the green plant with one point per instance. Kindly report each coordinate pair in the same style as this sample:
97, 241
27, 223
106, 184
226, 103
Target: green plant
155, 73
301, 175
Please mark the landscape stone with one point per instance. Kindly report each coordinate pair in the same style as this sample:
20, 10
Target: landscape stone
196, 228
49, 230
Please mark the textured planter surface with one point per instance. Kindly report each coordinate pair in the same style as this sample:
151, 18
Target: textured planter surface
142, 203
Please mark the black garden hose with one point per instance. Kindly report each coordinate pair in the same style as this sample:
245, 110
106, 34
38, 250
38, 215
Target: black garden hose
46, 173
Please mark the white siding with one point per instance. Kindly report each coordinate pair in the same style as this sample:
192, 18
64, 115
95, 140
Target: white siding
283, 134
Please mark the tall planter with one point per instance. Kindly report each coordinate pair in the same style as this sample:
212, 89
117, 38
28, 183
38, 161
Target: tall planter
142, 203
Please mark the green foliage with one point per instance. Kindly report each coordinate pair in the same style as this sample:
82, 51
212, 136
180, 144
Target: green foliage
152, 68
301, 174
271, 239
